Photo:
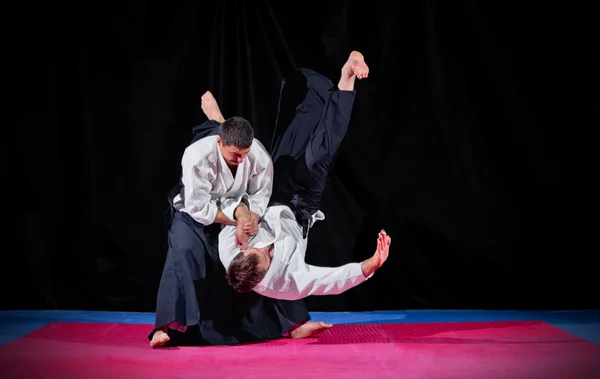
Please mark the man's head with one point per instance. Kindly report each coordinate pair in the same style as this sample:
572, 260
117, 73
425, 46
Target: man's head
235, 139
248, 268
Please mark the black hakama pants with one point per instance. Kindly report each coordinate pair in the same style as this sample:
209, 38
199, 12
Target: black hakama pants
312, 122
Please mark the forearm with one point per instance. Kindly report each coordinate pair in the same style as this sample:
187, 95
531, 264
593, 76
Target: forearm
315, 281
220, 218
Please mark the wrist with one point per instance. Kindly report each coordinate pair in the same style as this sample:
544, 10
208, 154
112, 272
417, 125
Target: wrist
368, 267
241, 213
243, 219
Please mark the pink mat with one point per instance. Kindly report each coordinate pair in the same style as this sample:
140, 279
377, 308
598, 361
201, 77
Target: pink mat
479, 350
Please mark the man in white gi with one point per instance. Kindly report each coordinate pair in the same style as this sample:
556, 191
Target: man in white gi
194, 302
274, 264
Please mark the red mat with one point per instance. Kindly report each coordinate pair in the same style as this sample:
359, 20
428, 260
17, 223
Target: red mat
532, 350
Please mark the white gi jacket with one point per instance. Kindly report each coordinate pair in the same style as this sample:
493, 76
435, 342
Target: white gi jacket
210, 185
289, 277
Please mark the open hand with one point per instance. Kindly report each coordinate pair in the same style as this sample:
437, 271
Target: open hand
372, 264
383, 249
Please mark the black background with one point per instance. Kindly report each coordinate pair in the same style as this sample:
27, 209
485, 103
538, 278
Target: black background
471, 144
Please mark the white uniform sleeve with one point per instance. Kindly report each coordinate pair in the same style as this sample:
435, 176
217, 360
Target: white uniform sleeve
197, 178
315, 280
260, 186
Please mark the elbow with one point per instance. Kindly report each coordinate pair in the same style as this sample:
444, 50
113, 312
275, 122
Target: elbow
204, 215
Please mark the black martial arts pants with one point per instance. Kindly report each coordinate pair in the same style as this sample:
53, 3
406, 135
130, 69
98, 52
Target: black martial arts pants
312, 122
194, 292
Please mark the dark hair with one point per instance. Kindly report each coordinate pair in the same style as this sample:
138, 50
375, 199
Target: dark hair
236, 131
243, 273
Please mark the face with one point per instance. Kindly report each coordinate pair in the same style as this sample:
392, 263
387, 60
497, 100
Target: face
233, 155
264, 258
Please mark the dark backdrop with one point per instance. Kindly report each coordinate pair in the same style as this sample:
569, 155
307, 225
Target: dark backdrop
471, 144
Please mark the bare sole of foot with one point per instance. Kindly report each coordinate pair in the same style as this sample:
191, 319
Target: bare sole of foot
211, 108
159, 338
309, 329
355, 67
358, 65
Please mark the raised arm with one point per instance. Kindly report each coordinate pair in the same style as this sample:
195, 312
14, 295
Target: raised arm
318, 281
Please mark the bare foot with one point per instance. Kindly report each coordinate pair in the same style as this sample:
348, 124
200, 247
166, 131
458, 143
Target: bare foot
159, 338
355, 67
211, 108
309, 329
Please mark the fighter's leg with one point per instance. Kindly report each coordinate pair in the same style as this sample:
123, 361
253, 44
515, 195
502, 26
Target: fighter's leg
177, 303
303, 97
335, 118
301, 101
310, 178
